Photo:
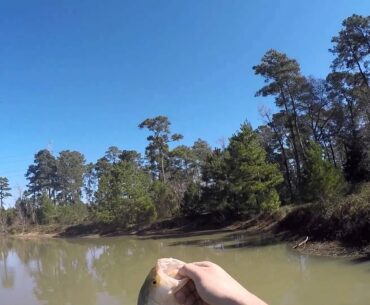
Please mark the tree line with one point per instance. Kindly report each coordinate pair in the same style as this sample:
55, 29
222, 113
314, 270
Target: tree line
315, 147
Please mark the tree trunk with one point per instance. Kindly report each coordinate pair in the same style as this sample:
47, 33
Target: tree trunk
162, 169
285, 161
332, 153
295, 120
292, 136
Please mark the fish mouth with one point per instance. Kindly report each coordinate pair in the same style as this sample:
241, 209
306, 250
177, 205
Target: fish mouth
172, 276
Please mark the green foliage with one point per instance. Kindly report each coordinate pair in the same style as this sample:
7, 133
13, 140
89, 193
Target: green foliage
61, 178
215, 182
164, 199
322, 179
123, 196
47, 211
237, 180
351, 46
290, 88
69, 214
191, 204
271, 202
66, 214
157, 151
333, 112
350, 113
252, 180
42, 175
112, 155
185, 169
70, 170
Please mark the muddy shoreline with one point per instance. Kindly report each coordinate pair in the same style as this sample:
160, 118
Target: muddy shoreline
185, 227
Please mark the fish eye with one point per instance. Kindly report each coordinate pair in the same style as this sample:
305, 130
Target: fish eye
154, 282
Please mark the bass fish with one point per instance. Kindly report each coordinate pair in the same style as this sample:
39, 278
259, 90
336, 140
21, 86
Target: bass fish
162, 282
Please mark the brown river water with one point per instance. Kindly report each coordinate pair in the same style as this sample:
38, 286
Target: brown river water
110, 271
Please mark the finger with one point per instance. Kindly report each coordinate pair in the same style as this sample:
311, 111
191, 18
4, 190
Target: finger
203, 264
190, 270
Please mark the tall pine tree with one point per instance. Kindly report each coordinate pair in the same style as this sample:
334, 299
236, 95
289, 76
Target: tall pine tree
252, 180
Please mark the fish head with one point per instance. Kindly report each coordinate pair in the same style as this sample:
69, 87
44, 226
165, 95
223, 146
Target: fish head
162, 282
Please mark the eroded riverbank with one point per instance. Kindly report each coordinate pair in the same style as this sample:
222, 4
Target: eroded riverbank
202, 226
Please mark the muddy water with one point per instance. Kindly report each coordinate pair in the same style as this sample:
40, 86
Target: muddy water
109, 271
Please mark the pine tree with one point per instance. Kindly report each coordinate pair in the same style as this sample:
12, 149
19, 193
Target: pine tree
352, 47
285, 82
252, 181
42, 175
322, 180
4, 190
70, 175
157, 151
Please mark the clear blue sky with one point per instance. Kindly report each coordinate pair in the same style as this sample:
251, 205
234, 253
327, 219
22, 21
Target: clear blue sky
81, 75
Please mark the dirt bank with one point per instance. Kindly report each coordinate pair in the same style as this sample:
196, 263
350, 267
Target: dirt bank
203, 225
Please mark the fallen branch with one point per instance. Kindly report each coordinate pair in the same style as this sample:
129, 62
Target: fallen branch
301, 243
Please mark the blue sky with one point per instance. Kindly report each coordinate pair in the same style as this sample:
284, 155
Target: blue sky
81, 75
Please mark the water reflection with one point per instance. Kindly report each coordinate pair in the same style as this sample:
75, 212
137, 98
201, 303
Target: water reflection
6, 272
110, 271
61, 273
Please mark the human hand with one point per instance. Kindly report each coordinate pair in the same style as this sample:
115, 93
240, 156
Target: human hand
211, 285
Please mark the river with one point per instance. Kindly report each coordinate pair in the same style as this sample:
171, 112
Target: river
110, 271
